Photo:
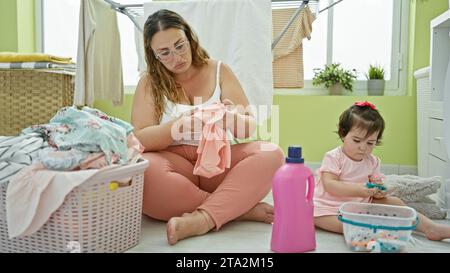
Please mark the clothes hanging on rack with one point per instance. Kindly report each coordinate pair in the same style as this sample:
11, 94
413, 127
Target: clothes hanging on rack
134, 11
288, 54
99, 65
288, 70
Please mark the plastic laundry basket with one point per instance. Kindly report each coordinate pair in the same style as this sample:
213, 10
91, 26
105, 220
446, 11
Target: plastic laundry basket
369, 227
93, 218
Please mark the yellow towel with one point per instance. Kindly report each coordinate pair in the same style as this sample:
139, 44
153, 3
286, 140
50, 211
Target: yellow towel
14, 57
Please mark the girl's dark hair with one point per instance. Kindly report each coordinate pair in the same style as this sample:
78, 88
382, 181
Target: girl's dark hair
363, 117
162, 81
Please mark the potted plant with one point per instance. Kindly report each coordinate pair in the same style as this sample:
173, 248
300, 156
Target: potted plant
375, 80
335, 78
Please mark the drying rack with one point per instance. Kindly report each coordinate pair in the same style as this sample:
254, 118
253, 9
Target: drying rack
133, 11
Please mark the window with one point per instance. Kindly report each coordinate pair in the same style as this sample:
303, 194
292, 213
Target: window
60, 34
356, 34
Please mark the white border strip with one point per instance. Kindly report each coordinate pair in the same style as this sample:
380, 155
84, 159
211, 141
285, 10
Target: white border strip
38, 25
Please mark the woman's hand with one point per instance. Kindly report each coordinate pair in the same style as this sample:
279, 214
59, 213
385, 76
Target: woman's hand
231, 115
228, 104
187, 126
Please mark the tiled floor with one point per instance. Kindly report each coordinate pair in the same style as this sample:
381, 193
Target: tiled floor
252, 237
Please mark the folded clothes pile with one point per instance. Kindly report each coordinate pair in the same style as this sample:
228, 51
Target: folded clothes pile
13, 60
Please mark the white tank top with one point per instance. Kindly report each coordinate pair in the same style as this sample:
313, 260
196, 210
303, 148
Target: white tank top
174, 110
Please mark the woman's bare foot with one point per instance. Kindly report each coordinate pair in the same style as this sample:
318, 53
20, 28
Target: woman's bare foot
438, 232
262, 212
189, 224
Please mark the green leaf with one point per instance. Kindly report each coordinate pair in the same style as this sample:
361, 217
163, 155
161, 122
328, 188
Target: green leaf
333, 74
375, 72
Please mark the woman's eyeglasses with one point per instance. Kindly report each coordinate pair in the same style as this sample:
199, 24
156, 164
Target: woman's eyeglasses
167, 55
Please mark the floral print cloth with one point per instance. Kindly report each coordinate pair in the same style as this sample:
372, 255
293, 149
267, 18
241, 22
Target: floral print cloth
88, 130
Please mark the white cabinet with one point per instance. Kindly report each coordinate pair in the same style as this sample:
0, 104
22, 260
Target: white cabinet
433, 158
439, 55
436, 166
423, 100
436, 140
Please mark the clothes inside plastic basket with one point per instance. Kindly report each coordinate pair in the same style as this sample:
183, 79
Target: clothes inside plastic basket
376, 227
101, 215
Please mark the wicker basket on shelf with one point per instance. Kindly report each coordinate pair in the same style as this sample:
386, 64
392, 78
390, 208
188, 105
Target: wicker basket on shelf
31, 96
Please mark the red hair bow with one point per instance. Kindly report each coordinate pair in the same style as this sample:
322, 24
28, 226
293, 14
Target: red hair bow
364, 104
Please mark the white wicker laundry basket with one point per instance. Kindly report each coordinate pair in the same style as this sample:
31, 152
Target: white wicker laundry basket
93, 217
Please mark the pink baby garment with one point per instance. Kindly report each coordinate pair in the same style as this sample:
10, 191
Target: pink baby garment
34, 193
214, 151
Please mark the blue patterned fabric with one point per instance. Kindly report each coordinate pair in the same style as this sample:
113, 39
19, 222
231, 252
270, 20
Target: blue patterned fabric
87, 130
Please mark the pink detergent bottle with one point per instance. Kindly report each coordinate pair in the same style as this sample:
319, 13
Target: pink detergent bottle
293, 189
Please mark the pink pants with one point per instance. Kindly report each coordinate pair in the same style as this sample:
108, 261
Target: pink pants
171, 189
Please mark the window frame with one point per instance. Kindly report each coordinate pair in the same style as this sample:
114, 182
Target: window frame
397, 85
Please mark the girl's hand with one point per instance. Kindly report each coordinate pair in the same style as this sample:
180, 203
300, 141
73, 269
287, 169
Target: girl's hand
366, 192
375, 180
380, 194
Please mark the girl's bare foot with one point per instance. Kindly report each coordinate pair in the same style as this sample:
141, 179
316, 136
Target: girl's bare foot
262, 212
189, 224
438, 232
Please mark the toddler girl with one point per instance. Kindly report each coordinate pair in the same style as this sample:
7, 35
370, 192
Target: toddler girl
345, 170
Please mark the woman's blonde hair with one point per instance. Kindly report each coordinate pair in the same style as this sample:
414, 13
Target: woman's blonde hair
163, 83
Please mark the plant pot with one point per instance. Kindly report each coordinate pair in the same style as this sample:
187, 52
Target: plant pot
336, 89
375, 87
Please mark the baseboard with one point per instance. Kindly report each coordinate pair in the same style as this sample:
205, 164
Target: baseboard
385, 168
408, 169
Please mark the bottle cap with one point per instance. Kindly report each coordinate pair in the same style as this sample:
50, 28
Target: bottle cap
294, 155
